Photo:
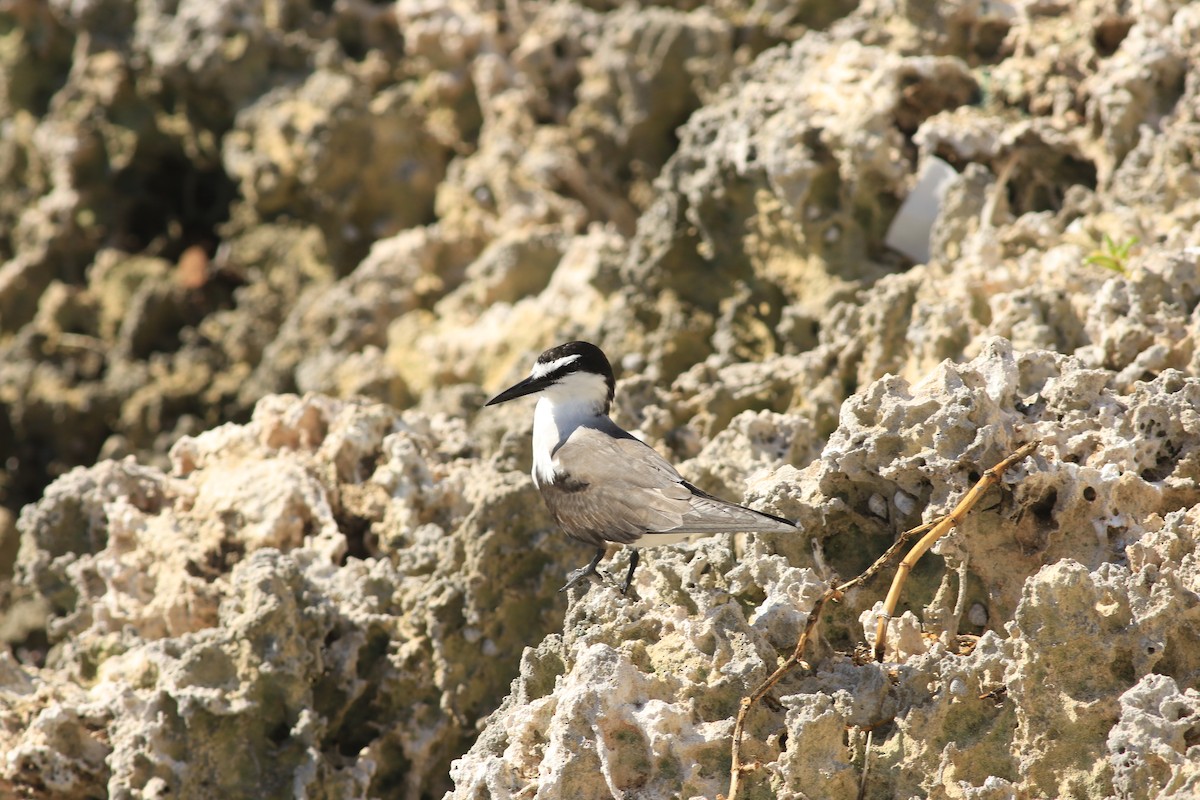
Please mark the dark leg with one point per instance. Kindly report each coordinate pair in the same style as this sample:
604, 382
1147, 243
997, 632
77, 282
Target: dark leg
575, 576
633, 562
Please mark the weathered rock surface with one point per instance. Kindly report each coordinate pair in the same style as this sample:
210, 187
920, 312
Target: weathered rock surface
261, 264
225, 639
1056, 573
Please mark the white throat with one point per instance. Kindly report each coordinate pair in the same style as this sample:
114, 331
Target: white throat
579, 399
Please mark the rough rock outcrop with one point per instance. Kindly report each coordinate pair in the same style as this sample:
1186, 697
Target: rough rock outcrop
260, 265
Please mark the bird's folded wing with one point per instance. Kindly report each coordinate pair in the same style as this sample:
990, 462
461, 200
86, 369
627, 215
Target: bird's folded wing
710, 514
614, 488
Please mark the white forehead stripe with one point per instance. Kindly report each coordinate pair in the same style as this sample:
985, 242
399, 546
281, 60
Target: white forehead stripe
541, 370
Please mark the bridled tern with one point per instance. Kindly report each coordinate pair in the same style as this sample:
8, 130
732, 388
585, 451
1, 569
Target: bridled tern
603, 485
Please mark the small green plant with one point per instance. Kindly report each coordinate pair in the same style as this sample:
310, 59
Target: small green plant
1112, 255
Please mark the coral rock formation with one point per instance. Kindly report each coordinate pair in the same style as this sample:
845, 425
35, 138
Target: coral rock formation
260, 265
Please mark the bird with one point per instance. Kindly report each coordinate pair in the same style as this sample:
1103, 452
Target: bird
602, 484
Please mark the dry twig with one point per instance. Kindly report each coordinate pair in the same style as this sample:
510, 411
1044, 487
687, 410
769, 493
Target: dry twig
942, 526
936, 530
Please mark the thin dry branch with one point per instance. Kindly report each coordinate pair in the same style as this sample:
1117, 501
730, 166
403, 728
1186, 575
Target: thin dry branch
943, 525
814, 615
936, 529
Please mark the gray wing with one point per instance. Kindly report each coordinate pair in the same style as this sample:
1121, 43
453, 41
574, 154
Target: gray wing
616, 488
713, 515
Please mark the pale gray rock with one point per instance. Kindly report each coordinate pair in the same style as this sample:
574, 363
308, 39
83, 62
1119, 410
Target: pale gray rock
361, 162
755, 187
228, 641
208, 204
335, 323
1148, 747
754, 443
637, 695
1064, 714
1097, 488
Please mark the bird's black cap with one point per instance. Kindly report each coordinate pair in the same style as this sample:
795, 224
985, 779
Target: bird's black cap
558, 362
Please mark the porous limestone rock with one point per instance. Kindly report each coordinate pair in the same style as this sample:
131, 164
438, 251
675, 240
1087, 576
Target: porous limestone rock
756, 187
1148, 747
1068, 559
228, 643
205, 204
388, 188
637, 696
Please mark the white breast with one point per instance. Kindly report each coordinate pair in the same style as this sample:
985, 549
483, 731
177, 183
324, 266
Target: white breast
553, 423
